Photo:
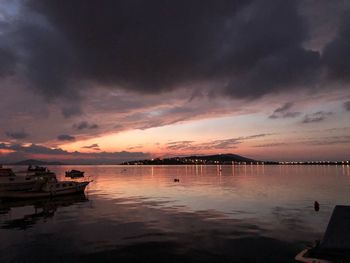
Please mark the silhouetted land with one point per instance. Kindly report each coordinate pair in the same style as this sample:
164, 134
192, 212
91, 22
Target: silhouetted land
217, 159
224, 159
37, 162
205, 159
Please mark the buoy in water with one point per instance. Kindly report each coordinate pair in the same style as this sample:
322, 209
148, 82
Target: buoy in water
316, 206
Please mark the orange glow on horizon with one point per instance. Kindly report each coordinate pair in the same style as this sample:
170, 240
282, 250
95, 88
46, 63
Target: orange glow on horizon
6, 151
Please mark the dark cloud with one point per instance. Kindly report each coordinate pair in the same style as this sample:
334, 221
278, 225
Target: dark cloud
330, 140
334, 54
7, 62
135, 147
266, 55
284, 107
17, 135
31, 149
92, 146
84, 125
214, 144
316, 117
283, 112
118, 60
291, 114
21, 152
140, 45
180, 142
270, 144
71, 111
296, 68
65, 137
180, 145
47, 60
255, 136
245, 48
347, 105
223, 144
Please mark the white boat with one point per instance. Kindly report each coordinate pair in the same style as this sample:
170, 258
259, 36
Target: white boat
19, 181
48, 189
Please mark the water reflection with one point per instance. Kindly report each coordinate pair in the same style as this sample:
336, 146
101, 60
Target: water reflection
241, 213
35, 210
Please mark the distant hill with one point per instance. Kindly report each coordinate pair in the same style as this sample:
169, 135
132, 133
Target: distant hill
201, 159
223, 158
36, 162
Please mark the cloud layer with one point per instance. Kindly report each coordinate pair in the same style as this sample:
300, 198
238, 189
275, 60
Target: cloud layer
316, 117
244, 48
72, 70
19, 152
223, 145
284, 112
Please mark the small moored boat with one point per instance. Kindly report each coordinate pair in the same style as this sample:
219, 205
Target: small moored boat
74, 174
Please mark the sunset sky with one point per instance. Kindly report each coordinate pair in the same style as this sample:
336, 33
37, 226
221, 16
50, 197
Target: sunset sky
106, 81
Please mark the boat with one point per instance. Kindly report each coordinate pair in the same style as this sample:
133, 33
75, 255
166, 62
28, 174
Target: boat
335, 245
74, 174
11, 181
36, 169
48, 189
40, 171
19, 181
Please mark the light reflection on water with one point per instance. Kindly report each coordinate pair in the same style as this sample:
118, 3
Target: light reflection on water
138, 213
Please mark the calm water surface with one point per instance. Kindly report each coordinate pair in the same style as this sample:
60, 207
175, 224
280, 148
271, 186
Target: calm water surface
139, 214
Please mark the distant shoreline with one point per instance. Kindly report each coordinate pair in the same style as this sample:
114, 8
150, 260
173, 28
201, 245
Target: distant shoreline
262, 163
257, 163
218, 159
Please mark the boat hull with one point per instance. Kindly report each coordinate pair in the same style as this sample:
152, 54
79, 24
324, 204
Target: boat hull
42, 194
16, 186
75, 175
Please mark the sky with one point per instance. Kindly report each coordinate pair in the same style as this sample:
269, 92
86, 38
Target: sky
108, 81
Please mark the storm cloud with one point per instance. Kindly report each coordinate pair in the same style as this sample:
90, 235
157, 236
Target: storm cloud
71, 111
65, 137
7, 62
93, 146
283, 112
225, 144
31, 151
246, 49
17, 135
347, 105
85, 69
316, 117
336, 52
85, 125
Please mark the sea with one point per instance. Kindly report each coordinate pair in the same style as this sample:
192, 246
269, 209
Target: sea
185, 213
